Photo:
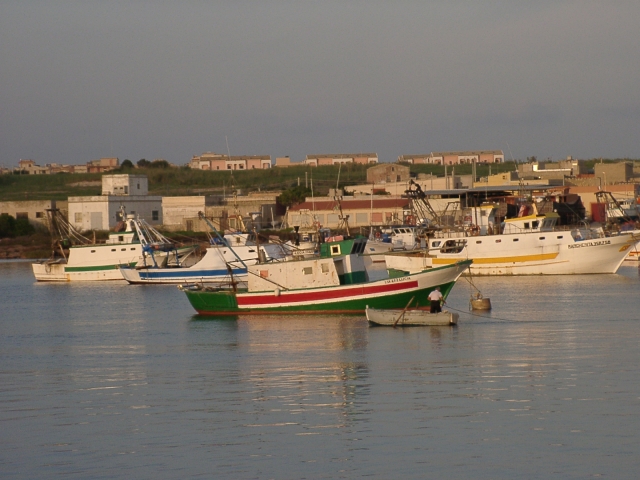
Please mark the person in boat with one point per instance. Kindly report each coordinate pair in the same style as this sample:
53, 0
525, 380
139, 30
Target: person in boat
437, 300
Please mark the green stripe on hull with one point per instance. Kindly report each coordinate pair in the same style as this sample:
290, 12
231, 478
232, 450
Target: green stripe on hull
224, 303
99, 268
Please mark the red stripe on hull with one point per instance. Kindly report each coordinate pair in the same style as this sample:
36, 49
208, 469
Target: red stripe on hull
330, 294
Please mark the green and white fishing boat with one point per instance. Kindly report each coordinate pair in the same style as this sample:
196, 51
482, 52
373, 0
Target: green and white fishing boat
336, 281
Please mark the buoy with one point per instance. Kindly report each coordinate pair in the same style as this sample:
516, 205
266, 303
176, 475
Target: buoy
477, 302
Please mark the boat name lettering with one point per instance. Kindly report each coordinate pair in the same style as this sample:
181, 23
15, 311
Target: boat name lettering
395, 280
591, 244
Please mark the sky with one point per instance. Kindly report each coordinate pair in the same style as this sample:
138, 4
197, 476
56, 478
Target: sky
86, 79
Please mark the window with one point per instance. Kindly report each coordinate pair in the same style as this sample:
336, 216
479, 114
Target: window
541, 238
516, 239
335, 249
325, 268
113, 249
498, 241
155, 215
39, 215
478, 241
535, 224
22, 215
362, 218
121, 238
307, 270
560, 236
526, 225
78, 217
126, 190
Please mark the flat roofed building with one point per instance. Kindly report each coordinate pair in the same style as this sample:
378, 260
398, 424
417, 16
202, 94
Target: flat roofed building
387, 173
338, 158
216, 161
360, 212
455, 158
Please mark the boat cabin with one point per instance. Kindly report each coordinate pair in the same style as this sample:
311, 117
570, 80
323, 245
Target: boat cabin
339, 263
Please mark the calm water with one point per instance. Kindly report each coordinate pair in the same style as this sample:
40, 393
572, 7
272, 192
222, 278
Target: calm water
117, 381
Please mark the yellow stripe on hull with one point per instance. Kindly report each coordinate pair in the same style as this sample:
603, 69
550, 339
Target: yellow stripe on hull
497, 260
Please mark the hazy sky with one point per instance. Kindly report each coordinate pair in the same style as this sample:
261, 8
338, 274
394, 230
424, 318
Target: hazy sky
85, 79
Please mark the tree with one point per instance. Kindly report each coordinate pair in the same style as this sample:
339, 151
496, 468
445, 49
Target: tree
159, 164
7, 226
294, 195
127, 164
11, 227
143, 163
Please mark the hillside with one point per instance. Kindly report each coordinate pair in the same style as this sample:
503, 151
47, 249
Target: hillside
185, 181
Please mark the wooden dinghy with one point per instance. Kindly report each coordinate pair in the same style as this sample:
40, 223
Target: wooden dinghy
399, 317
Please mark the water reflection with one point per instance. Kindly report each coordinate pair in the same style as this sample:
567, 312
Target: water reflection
311, 369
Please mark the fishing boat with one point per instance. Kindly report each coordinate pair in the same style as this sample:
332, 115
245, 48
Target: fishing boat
77, 258
524, 242
409, 317
530, 244
336, 281
226, 259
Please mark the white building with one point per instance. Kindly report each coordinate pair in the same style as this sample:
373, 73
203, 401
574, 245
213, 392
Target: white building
102, 212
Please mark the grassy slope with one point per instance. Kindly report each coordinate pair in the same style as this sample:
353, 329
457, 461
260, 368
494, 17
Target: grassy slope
184, 181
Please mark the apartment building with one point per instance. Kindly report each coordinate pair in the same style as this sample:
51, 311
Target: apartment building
338, 158
217, 161
454, 158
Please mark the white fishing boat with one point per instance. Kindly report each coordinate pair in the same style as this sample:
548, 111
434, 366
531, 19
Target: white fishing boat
409, 317
529, 245
134, 243
225, 260
220, 264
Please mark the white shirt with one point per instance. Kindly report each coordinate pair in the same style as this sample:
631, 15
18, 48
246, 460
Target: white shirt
435, 295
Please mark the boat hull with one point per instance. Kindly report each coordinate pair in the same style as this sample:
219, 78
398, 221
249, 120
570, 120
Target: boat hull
351, 299
541, 253
97, 263
220, 264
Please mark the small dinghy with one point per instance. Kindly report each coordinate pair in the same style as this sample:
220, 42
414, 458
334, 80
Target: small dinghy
406, 317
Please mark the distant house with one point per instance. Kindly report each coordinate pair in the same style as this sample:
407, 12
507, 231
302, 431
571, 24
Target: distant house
30, 167
336, 159
33, 210
455, 158
102, 165
217, 161
388, 173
